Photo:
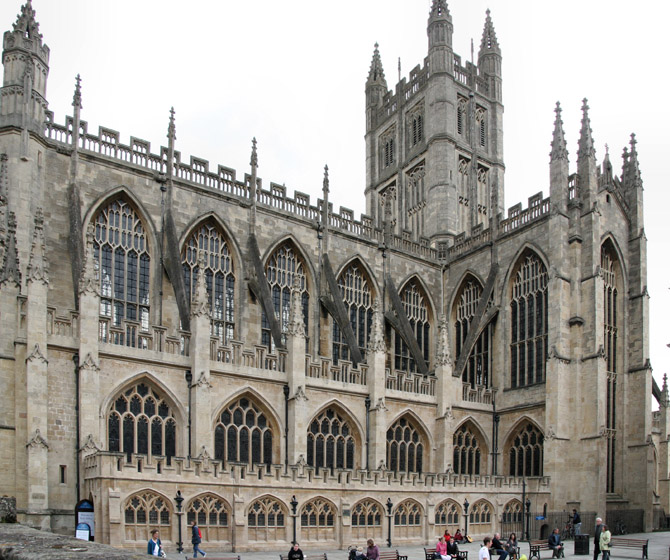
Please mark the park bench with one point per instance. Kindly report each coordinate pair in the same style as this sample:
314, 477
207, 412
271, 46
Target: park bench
536, 547
462, 554
496, 552
637, 544
310, 556
391, 555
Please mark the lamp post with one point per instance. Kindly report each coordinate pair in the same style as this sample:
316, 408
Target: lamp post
528, 519
179, 499
389, 507
294, 508
466, 506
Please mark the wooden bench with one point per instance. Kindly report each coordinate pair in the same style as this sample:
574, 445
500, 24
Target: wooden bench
496, 552
537, 546
311, 556
391, 555
462, 554
637, 544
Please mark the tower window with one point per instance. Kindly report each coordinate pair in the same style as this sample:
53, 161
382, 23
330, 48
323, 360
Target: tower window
415, 123
387, 149
460, 114
481, 125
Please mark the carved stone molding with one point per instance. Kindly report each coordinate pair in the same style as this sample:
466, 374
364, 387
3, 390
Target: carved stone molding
37, 441
36, 355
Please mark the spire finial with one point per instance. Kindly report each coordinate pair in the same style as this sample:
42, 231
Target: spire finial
26, 23
489, 39
376, 74
558, 144
254, 154
633, 176
76, 99
172, 129
326, 180
586, 149
38, 265
439, 9
10, 271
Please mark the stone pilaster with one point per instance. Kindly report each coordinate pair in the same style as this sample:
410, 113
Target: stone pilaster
447, 389
377, 388
664, 447
295, 374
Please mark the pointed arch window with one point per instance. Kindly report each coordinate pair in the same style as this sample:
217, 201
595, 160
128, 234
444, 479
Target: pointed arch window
477, 371
415, 200
330, 441
317, 520
357, 296
146, 511
122, 253
526, 452
407, 519
243, 434
141, 421
266, 520
219, 277
480, 517
404, 447
480, 116
529, 315
463, 194
366, 520
415, 303
387, 154
513, 516
212, 514
415, 126
282, 267
447, 517
461, 115
467, 450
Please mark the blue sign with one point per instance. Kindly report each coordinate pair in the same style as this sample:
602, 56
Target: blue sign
540, 517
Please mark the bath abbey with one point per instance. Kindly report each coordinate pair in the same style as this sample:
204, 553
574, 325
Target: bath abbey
183, 341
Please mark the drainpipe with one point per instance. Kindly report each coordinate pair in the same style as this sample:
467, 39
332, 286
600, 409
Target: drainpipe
75, 359
367, 433
189, 378
286, 390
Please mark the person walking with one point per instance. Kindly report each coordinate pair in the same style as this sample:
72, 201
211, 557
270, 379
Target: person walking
154, 546
596, 538
196, 539
576, 522
373, 551
484, 553
605, 537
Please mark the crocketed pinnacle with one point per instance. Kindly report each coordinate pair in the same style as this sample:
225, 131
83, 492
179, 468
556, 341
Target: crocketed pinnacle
376, 74
254, 155
558, 145
38, 265
633, 176
489, 42
586, 149
76, 98
26, 22
10, 271
440, 10
172, 129
326, 181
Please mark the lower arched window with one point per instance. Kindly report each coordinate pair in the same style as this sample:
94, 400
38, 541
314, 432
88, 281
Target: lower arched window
317, 520
330, 441
481, 514
141, 421
526, 452
243, 434
404, 447
467, 451
447, 516
144, 512
512, 518
212, 514
407, 519
266, 520
366, 520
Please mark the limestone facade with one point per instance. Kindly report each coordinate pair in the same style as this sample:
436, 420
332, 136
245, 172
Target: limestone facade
167, 327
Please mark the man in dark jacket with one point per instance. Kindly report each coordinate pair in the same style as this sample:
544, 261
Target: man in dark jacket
498, 546
555, 544
596, 538
196, 539
576, 522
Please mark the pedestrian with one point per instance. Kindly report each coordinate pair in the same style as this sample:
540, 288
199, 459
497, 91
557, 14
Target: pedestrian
576, 522
154, 546
373, 551
295, 553
441, 549
605, 537
484, 550
452, 549
499, 547
596, 538
196, 539
555, 544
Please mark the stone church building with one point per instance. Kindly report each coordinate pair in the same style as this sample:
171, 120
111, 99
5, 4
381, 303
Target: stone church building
179, 337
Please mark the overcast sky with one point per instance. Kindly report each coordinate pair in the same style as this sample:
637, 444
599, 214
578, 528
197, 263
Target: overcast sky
292, 74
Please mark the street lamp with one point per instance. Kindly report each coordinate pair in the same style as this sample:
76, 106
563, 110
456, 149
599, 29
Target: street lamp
389, 507
466, 505
527, 519
179, 499
294, 508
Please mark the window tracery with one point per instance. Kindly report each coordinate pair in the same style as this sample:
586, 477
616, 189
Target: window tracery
404, 447
415, 303
480, 517
317, 520
330, 441
467, 451
145, 511
407, 519
526, 452
447, 516
355, 288
366, 520
212, 514
266, 520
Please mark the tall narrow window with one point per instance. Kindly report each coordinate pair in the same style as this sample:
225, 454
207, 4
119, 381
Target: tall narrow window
526, 452
463, 195
387, 148
529, 314
266, 520
355, 290
366, 520
120, 247
415, 303
219, 277
330, 441
483, 196
212, 514
461, 114
146, 511
415, 200
480, 116
467, 451
283, 266
404, 447
415, 126
610, 270
317, 520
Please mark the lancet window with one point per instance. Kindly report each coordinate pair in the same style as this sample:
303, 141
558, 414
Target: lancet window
330, 441
355, 289
513, 513
219, 277
480, 517
415, 127
144, 512
415, 303
212, 514
529, 314
121, 250
467, 450
415, 200
141, 421
387, 148
447, 517
317, 520
243, 434
404, 447
366, 520
407, 519
526, 452
480, 117
282, 268
483, 201
266, 520
461, 115
463, 194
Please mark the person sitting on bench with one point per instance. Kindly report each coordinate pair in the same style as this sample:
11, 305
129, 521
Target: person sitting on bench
499, 547
555, 544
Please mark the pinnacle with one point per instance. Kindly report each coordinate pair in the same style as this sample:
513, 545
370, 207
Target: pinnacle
558, 144
254, 154
326, 180
172, 130
586, 149
76, 99
439, 9
26, 23
489, 38
376, 74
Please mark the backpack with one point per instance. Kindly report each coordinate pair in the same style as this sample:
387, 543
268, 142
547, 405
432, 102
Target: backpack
199, 533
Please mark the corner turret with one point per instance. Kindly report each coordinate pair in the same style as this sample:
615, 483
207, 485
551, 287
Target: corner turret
587, 168
440, 33
632, 186
559, 165
26, 68
489, 59
375, 87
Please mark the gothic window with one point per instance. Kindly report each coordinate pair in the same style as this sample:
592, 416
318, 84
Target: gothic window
366, 520
317, 520
482, 196
467, 450
513, 513
529, 313
266, 520
407, 519
480, 116
526, 452
121, 250
415, 125
141, 421
477, 372
243, 434
415, 303
212, 514
404, 447
463, 194
415, 200
146, 511
330, 441
611, 276
387, 146
357, 297
283, 266
219, 278
480, 517
447, 517
461, 114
